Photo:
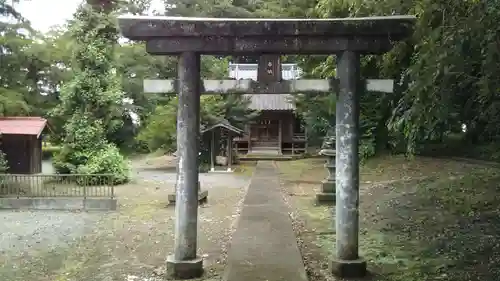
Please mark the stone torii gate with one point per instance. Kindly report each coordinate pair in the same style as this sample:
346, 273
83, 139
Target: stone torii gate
188, 38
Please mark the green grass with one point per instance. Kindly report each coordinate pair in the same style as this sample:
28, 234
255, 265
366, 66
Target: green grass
383, 168
438, 230
441, 228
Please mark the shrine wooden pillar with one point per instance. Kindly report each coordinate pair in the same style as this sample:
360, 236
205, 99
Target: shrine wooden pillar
291, 127
229, 152
212, 151
249, 138
280, 136
306, 136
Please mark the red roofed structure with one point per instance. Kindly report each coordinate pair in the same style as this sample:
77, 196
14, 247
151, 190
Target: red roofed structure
31, 126
22, 143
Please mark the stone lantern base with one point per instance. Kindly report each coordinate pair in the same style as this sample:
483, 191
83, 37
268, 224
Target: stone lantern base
202, 196
327, 194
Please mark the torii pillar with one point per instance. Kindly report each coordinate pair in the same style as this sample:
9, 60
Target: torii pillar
188, 38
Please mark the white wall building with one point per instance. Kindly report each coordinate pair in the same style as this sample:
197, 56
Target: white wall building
238, 71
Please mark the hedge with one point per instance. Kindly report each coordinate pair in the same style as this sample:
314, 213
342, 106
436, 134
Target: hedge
49, 151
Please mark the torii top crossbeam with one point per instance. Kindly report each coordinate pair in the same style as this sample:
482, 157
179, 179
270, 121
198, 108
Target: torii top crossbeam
174, 35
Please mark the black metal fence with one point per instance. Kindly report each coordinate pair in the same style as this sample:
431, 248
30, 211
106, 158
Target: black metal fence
56, 185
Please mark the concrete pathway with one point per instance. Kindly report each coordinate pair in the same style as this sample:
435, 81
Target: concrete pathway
264, 246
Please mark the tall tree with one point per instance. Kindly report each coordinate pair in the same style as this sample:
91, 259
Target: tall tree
12, 61
211, 8
93, 98
7, 10
135, 7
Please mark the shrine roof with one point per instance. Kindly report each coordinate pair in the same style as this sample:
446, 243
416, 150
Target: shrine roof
271, 102
150, 27
223, 123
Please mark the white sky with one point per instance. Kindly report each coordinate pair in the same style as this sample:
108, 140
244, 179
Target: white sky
44, 14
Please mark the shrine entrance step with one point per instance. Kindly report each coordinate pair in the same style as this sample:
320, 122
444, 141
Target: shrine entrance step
264, 245
264, 151
274, 144
267, 157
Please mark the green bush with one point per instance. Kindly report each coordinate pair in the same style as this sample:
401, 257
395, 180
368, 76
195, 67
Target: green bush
49, 151
106, 161
160, 129
87, 152
4, 165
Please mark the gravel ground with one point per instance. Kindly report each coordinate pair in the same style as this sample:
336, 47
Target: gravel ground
162, 169
34, 242
207, 180
130, 244
25, 231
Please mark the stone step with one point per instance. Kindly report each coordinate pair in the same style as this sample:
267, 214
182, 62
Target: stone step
268, 157
264, 150
267, 144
